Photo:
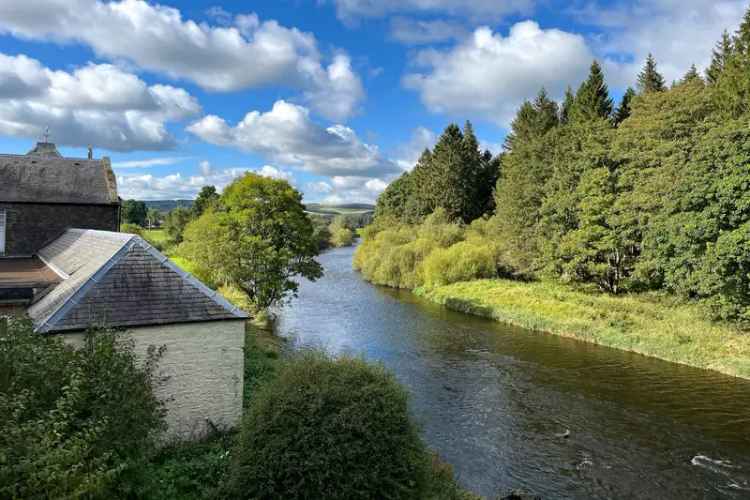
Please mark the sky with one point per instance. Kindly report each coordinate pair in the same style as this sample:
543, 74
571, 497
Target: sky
338, 97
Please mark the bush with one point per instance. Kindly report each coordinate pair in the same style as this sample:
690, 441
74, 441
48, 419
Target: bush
335, 429
74, 422
131, 228
464, 261
341, 237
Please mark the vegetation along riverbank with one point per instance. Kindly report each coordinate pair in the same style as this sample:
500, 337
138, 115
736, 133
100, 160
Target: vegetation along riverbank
627, 226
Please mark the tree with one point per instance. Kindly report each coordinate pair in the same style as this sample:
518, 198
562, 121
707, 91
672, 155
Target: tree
623, 110
134, 212
341, 234
261, 240
592, 100
742, 37
722, 52
533, 120
152, 217
649, 79
691, 76
176, 221
207, 198
567, 106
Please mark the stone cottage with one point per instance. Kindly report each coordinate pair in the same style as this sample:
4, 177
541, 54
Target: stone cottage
65, 265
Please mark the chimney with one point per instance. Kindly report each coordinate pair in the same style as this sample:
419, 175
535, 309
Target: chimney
91, 153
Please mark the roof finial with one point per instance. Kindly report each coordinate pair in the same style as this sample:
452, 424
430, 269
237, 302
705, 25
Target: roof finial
46, 134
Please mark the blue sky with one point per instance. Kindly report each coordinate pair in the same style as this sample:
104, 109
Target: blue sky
337, 96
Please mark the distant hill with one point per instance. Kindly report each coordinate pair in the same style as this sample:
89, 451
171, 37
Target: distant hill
167, 205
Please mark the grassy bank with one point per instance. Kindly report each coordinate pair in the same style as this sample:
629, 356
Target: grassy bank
645, 324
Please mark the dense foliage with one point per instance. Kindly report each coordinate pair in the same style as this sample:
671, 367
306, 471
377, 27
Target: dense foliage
74, 422
652, 194
134, 212
324, 428
258, 239
455, 176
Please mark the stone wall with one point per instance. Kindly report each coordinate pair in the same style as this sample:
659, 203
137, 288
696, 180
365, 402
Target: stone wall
204, 366
31, 226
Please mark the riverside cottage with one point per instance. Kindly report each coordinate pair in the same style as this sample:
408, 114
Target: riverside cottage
64, 265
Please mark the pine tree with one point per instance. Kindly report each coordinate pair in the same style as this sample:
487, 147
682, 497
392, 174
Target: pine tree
547, 112
722, 52
623, 110
742, 37
649, 79
567, 105
592, 100
691, 76
533, 120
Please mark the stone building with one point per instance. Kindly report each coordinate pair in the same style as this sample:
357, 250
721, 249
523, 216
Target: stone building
42, 194
86, 275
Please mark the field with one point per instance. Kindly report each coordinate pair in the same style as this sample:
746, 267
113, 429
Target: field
646, 324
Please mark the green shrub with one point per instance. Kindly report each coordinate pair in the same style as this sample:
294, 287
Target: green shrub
75, 422
464, 261
335, 429
131, 228
341, 237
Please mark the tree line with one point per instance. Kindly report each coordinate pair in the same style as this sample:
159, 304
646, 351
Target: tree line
650, 194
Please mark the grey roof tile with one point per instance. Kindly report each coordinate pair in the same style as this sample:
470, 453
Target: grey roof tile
116, 279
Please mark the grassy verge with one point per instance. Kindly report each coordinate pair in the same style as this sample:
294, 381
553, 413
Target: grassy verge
645, 324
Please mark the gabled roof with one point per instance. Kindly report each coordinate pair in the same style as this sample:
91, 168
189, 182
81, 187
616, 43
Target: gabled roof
119, 280
43, 176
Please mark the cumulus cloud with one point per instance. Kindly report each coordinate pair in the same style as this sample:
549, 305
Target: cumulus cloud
97, 104
286, 134
678, 32
353, 189
179, 186
407, 154
418, 31
488, 75
351, 10
241, 52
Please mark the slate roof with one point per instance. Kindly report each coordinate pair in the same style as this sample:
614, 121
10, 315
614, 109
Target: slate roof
43, 175
119, 280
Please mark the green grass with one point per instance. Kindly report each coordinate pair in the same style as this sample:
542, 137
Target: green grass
646, 324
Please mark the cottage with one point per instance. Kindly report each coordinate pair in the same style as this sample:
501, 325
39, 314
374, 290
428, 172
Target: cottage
72, 271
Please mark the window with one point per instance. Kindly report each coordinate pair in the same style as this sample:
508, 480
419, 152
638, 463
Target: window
2, 232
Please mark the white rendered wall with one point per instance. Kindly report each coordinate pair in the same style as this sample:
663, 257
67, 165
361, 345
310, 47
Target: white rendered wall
204, 366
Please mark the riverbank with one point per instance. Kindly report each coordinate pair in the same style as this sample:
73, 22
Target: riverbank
644, 324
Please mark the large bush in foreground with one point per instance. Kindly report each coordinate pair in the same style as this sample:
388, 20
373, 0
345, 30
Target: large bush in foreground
74, 422
335, 429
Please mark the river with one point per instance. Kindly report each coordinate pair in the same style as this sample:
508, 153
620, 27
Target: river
511, 409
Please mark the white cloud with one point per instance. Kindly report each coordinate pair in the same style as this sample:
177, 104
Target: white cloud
149, 162
287, 135
488, 75
179, 186
678, 32
97, 104
353, 189
417, 31
407, 154
351, 10
248, 53
318, 187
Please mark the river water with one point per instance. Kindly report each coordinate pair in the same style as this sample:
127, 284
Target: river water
512, 409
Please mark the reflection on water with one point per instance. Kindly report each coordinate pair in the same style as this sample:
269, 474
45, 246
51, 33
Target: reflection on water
514, 409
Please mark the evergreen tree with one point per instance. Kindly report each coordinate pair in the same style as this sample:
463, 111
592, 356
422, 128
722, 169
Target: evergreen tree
533, 120
592, 100
567, 105
691, 76
546, 112
649, 79
623, 110
722, 52
742, 37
